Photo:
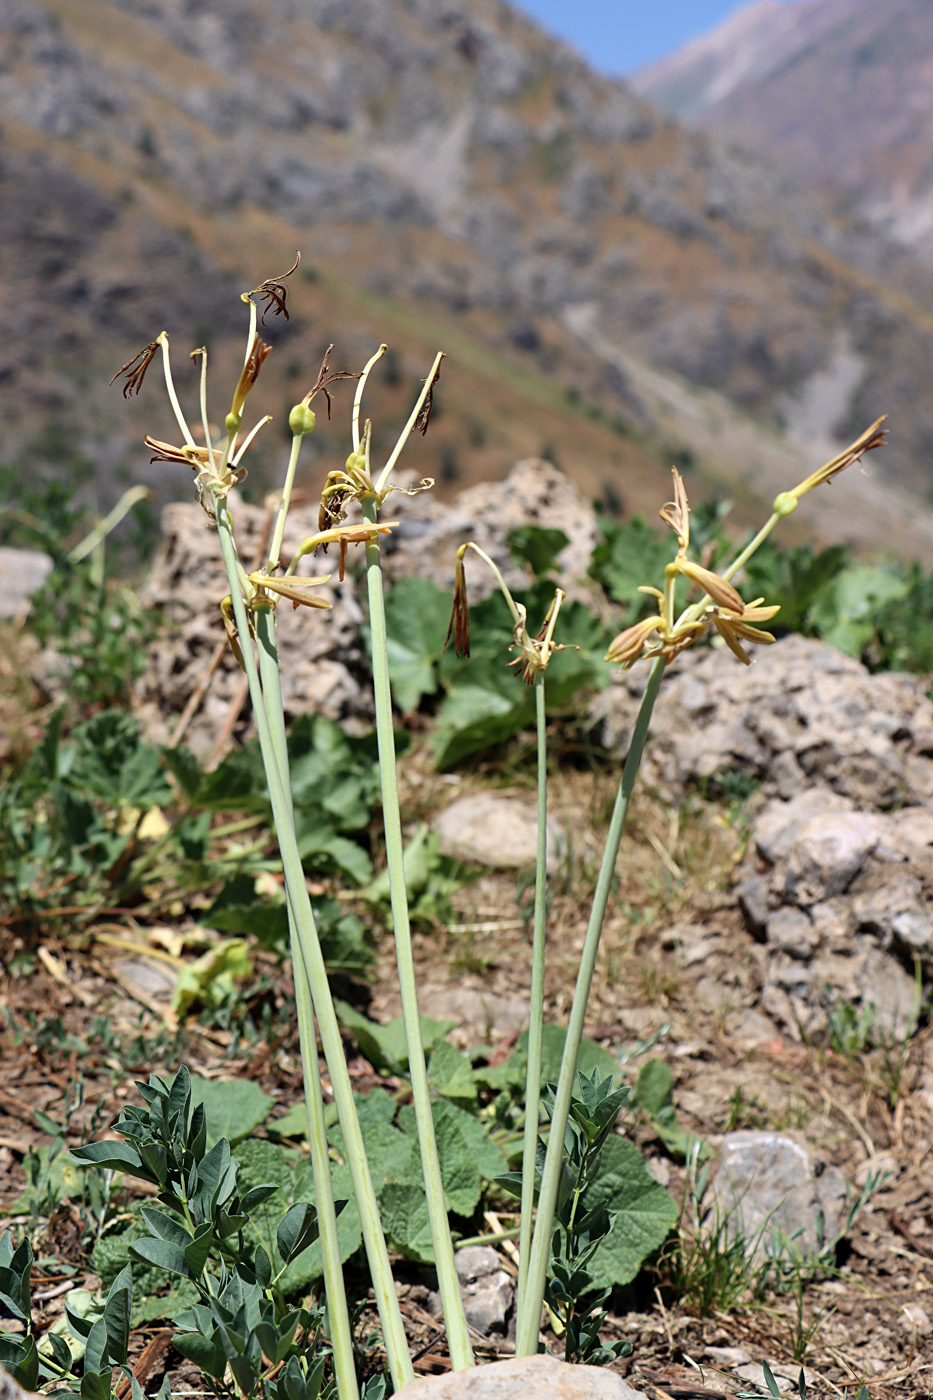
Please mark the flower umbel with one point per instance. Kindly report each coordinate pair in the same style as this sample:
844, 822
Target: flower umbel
721, 606
534, 652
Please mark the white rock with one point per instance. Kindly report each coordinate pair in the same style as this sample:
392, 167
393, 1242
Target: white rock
523, 1378
494, 830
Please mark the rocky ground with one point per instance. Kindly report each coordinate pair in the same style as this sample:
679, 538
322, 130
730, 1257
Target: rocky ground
772, 924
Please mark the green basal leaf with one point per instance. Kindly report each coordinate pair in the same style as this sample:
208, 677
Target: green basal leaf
385, 1046
643, 1213
417, 614
451, 1074
537, 546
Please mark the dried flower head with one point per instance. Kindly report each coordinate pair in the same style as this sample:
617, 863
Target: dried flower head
273, 292
259, 352
875, 436
135, 369
534, 652
459, 625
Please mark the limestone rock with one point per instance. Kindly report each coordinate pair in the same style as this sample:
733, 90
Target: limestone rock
493, 830
802, 713
768, 1187
523, 1378
486, 1289
481, 1015
22, 573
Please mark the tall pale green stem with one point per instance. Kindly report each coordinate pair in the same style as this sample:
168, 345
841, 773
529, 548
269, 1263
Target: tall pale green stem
536, 1005
458, 1337
529, 1319
335, 1290
380, 1269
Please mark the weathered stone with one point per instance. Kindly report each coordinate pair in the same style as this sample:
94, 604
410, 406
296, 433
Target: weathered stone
486, 1289
768, 1188
481, 1015
865, 737
827, 854
778, 826
523, 1378
793, 932
897, 912
493, 830
22, 573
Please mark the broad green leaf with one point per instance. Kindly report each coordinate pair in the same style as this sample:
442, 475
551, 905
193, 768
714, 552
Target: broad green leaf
96, 1348
322, 848
112, 1156
161, 1253
451, 1074
591, 1056
417, 616
385, 1046
266, 1162
467, 1153
112, 762
157, 1308
654, 1088
487, 710
202, 1351
117, 1312
297, 1230
404, 1212
537, 546
184, 767
237, 909
628, 556
643, 1213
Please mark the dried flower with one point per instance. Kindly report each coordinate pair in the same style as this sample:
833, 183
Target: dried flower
135, 369
459, 626
873, 437
273, 292
259, 351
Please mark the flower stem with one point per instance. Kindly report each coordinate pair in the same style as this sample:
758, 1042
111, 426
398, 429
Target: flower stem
529, 1319
536, 1006
284, 502
458, 1338
393, 1329
334, 1287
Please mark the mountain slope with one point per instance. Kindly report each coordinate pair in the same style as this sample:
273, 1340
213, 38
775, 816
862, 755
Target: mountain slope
448, 171
838, 93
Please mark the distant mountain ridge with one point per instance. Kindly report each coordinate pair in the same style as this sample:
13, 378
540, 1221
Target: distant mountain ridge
451, 175
837, 93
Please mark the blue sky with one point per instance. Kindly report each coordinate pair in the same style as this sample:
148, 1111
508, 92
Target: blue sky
618, 36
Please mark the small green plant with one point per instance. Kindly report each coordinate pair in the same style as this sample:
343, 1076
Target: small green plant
32, 1358
239, 1320
744, 1111
571, 1292
710, 1264
94, 626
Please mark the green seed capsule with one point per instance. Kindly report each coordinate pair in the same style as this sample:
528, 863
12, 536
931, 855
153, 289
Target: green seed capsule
301, 420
